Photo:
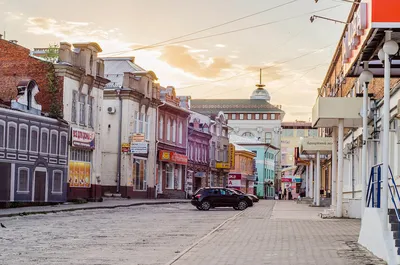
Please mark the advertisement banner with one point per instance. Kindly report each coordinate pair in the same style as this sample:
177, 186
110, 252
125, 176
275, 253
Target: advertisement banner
137, 137
139, 148
232, 155
173, 157
83, 139
222, 165
385, 13
79, 174
125, 148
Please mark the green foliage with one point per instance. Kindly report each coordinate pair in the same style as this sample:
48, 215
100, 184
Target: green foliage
52, 53
55, 106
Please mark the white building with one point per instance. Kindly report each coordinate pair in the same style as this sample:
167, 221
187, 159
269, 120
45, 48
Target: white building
130, 101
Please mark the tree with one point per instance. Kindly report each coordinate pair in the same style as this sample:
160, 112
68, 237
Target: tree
51, 54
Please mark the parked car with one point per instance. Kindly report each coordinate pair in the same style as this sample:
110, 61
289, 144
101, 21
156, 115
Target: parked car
207, 198
253, 197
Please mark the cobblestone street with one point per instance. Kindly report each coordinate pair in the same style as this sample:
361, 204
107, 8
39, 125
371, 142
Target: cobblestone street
268, 233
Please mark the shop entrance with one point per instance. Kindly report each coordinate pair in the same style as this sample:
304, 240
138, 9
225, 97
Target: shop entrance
196, 184
40, 186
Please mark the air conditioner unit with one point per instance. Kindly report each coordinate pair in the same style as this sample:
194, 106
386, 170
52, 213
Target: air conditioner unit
111, 110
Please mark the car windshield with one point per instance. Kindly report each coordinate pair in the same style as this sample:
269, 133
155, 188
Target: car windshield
198, 191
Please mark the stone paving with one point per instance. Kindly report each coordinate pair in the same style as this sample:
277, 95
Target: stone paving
268, 233
281, 233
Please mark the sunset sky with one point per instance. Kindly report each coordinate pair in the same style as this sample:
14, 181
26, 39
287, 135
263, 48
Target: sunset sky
224, 66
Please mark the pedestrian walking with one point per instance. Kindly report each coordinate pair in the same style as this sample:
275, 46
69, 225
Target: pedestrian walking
280, 193
284, 194
290, 193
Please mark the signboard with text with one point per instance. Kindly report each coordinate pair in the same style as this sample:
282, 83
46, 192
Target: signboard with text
139, 148
234, 181
232, 155
168, 156
83, 139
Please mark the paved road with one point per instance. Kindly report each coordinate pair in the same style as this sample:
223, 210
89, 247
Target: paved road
269, 233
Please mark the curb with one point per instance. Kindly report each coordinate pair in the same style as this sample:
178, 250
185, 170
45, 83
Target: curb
180, 255
91, 208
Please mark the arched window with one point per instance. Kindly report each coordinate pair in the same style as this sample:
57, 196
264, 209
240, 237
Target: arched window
161, 128
169, 130
23, 137
174, 131
12, 135
248, 134
180, 132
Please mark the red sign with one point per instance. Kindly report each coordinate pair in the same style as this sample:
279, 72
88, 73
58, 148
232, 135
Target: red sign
286, 179
83, 139
173, 157
234, 181
235, 176
385, 13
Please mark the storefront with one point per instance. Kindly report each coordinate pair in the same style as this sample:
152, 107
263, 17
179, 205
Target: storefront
171, 174
80, 163
241, 182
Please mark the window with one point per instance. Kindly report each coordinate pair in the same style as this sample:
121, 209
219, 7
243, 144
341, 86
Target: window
257, 116
139, 174
300, 132
273, 116
57, 182
82, 111
179, 178
234, 116
80, 155
180, 132
44, 144
169, 130
248, 134
147, 127
34, 139
265, 116
241, 116
225, 154
2, 134
53, 142
141, 122
268, 137
90, 111
63, 144
161, 129
23, 137
12, 135
312, 132
169, 170
23, 179
74, 105
224, 132
173, 131
249, 116
212, 153
288, 132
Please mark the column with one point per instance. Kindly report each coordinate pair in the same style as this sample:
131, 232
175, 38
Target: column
318, 182
385, 136
334, 169
364, 150
307, 183
339, 206
311, 172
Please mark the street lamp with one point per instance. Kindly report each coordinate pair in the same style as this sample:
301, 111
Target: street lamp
365, 78
348, 1
391, 47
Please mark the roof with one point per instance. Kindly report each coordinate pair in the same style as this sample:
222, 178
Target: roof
241, 148
202, 118
213, 106
114, 69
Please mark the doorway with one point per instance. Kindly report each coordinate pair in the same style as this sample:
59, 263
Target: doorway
40, 187
5, 181
197, 184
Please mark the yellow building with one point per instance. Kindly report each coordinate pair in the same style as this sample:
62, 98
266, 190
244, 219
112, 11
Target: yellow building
242, 174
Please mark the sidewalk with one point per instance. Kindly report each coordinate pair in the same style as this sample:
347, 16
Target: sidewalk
68, 207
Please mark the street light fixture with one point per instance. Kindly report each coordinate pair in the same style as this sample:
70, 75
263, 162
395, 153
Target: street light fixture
348, 1
366, 77
391, 47
313, 17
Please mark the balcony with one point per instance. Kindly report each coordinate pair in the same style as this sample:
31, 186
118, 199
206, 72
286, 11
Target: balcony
328, 110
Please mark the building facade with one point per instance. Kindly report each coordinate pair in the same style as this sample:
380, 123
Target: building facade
242, 176
265, 159
198, 152
129, 129
172, 145
33, 151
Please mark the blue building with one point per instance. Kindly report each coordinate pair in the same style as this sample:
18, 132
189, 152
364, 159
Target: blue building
266, 159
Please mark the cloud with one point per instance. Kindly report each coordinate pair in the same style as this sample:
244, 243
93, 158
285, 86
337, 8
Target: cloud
71, 30
13, 16
180, 57
220, 45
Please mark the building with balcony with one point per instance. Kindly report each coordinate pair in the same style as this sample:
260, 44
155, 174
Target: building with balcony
129, 121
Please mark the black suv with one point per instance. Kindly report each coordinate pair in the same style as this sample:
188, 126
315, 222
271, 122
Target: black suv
206, 198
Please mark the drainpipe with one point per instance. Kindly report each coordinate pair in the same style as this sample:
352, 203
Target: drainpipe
339, 206
265, 171
318, 180
352, 166
118, 91
334, 168
187, 155
156, 154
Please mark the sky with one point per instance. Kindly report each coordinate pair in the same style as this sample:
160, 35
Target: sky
293, 52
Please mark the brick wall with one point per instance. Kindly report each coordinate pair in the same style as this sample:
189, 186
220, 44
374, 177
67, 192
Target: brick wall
16, 64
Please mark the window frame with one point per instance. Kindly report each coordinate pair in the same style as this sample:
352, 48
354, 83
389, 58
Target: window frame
53, 132
18, 180
180, 136
61, 182
3, 145
41, 140
249, 116
74, 105
161, 128
135, 159
256, 116
265, 116
233, 116
20, 127
66, 144
90, 101
82, 109
172, 166
241, 116
174, 130
34, 128
273, 116
12, 124
169, 129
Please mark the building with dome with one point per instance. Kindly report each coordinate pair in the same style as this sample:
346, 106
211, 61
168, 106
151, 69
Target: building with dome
255, 117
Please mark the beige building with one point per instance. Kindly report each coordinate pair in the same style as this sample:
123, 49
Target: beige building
129, 129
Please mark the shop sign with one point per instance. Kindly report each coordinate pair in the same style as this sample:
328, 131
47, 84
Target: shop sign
200, 174
79, 174
83, 139
296, 180
137, 137
385, 13
173, 157
222, 165
234, 180
286, 179
139, 148
315, 144
125, 148
232, 155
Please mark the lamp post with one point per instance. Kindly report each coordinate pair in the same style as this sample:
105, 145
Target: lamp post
365, 78
390, 48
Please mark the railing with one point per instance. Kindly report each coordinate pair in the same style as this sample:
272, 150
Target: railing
373, 198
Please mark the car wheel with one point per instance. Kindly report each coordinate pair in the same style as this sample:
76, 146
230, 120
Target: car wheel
205, 205
242, 205
199, 208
